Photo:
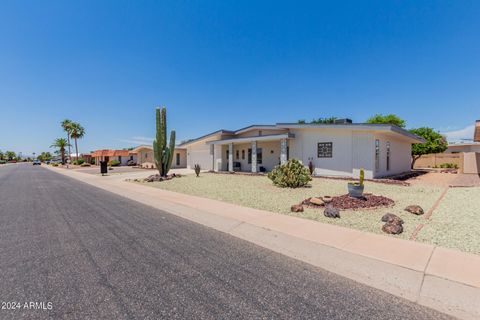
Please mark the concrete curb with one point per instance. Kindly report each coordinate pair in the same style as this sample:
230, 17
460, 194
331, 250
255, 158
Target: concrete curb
442, 279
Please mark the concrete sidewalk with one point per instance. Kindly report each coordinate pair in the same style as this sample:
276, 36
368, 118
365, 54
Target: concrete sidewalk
443, 279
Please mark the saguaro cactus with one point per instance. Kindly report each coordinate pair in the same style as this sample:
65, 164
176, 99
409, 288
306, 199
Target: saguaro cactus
163, 154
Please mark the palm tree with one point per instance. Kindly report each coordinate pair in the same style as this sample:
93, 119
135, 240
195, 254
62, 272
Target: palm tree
10, 155
61, 144
67, 127
77, 133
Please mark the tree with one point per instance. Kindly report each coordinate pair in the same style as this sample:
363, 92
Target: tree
434, 143
163, 154
1, 155
10, 155
387, 119
77, 132
45, 156
60, 144
67, 127
319, 120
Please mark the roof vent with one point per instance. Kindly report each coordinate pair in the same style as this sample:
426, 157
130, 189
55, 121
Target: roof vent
343, 121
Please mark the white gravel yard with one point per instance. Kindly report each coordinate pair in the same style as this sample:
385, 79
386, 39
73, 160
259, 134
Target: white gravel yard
258, 192
456, 221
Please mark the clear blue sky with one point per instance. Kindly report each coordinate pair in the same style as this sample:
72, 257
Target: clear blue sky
228, 64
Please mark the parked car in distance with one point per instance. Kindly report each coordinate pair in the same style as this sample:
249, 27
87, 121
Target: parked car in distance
37, 163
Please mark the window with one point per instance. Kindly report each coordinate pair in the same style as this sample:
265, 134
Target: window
388, 155
131, 157
243, 154
120, 159
377, 155
177, 160
325, 149
237, 154
259, 155
146, 155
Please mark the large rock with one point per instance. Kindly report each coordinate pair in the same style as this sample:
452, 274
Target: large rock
331, 212
296, 208
392, 228
391, 218
415, 210
316, 201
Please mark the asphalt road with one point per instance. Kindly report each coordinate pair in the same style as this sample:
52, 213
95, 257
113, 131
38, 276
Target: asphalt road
95, 255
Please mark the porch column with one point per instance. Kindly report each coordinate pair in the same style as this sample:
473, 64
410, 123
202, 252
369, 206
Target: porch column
212, 155
230, 157
283, 151
254, 156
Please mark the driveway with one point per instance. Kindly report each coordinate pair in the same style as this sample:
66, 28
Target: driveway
95, 255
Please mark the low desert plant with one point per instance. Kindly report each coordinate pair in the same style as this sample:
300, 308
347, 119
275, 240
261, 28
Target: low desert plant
292, 174
54, 164
449, 166
78, 162
311, 168
113, 163
197, 169
85, 164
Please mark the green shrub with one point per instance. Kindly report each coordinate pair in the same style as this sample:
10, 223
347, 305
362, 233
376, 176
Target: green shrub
292, 174
85, 164
449, 166
78, 162
113, 163
55, 164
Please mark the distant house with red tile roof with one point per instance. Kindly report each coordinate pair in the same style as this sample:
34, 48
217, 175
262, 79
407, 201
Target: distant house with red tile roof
122, 156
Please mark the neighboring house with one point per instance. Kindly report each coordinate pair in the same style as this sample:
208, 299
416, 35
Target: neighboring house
145, 157
122, 156
339, 149
465, 155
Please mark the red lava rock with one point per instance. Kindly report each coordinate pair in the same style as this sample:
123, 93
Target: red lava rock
296, 208
344, 202
415, 210
392, 228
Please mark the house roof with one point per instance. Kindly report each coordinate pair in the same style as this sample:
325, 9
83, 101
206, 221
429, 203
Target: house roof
357, 126
110, 153
476, 134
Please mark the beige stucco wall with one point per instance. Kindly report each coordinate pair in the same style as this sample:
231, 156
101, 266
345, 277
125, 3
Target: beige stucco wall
471, 162
304, 148
183, 158
400, 156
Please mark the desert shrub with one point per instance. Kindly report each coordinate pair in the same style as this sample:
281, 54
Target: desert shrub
292, 174
55, 164
85, 164
449, 166
78, 162
197, 169
113, 163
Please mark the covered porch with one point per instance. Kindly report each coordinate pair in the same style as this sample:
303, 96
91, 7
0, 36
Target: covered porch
250, 154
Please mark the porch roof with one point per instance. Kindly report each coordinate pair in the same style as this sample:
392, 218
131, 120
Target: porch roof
271, 137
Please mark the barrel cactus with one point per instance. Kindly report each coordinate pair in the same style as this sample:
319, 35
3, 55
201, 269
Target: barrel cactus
163, 154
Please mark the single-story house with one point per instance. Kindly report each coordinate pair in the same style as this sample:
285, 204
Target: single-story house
339, 149
145, 157
122, 156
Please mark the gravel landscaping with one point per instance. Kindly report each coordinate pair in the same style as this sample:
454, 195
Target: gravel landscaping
456, 221
258, 192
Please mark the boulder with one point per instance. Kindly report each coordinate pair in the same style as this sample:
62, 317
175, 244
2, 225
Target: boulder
316, 201
331, 212
391, 218
415, 210
296, 208
392, 228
